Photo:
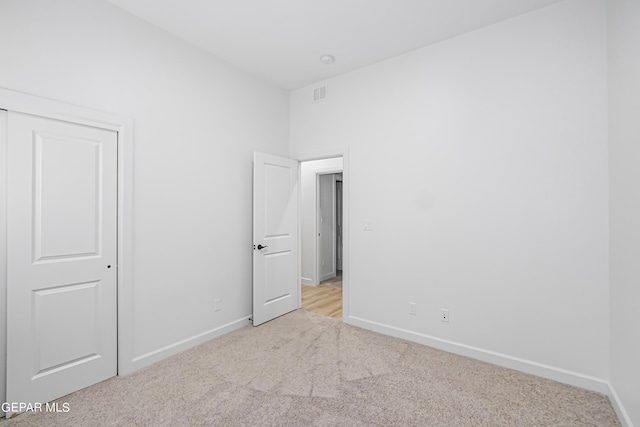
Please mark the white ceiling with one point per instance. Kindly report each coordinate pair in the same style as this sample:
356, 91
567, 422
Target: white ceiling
281, 41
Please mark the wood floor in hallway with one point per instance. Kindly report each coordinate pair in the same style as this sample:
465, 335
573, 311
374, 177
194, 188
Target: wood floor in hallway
324, 300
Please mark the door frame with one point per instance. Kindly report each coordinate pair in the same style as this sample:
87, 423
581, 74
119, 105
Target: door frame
346, 179
338, 227
318, 233
29, 104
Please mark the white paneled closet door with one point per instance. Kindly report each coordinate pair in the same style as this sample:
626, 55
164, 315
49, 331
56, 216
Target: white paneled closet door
61, 257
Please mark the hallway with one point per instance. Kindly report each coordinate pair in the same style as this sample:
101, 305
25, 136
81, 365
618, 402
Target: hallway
324, 299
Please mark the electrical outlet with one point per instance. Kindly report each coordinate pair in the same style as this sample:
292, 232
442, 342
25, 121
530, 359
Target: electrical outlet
444, 314
216, 305
412, 308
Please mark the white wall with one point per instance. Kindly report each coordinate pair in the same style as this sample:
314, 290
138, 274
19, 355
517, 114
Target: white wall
308, 213
197, 122
497, 145
624, 86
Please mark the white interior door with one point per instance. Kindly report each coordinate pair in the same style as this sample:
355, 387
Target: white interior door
275, 237
61, 253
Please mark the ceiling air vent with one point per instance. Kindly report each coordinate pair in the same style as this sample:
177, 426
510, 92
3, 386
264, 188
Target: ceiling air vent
320, 93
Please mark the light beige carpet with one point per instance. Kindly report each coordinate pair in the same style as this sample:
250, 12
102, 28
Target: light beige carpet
304, 369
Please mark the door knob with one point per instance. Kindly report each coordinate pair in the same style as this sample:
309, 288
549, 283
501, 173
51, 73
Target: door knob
262, 247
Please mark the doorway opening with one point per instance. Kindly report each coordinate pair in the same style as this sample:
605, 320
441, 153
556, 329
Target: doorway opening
322, 248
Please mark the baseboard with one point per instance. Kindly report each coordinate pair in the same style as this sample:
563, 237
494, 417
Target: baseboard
180, 346
545, 371
307, 281
327, 276
618, 407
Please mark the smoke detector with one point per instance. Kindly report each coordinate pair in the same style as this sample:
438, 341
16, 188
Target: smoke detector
327, 59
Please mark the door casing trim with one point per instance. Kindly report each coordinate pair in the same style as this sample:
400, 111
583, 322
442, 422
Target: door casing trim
29, 104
